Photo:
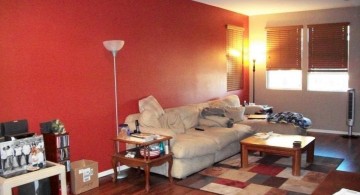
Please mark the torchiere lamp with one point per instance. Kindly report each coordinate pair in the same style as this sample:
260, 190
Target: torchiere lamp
254, 81
114, 46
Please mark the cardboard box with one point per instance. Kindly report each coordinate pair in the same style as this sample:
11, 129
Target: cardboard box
84, 176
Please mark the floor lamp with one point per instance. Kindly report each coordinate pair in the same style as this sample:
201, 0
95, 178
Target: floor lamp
114, 46
253, 81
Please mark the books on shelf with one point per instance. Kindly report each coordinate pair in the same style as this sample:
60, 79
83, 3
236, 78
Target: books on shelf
63, 154
62, 141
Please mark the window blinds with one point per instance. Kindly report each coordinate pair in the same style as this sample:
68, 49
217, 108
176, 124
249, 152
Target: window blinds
283, 48
328, 47
234, 53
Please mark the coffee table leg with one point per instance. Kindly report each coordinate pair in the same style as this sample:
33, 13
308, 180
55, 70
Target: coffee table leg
310, 152
244, 156
296, 163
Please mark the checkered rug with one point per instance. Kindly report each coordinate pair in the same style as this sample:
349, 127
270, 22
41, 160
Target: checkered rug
265, 175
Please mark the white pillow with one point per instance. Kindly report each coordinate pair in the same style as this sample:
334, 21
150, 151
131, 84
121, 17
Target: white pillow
151, 104
236, 113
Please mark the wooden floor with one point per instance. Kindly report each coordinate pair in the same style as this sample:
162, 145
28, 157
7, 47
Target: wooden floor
326, 145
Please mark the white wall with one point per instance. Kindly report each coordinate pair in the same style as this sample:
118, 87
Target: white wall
327, 110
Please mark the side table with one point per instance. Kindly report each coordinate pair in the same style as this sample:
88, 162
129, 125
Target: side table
51, 169
146, 162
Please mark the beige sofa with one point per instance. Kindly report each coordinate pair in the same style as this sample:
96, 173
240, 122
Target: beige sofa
194, 150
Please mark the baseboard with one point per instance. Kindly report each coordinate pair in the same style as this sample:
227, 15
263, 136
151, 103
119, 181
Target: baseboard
111, 171
331, 131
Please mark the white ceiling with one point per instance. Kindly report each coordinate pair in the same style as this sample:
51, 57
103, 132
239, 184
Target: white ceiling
259, 7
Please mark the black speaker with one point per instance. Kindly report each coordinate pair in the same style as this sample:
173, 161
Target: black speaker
15, 127
45, 127
1, 130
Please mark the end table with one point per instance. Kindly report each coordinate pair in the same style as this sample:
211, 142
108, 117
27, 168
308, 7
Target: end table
146, 162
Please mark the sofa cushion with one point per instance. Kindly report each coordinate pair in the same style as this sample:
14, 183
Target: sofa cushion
189, 115
189, 146
214, 121
236, 113
220, 135
148, 118
173, 121
151, 104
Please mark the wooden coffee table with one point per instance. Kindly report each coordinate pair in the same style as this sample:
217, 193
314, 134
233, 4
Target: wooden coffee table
280, 145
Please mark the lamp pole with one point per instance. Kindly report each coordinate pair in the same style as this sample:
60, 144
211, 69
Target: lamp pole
114, 46
253, 80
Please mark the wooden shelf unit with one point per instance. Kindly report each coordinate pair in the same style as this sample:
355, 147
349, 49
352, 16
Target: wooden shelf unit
57, 149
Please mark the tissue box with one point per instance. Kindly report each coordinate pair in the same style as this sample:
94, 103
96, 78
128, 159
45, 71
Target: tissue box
84, 176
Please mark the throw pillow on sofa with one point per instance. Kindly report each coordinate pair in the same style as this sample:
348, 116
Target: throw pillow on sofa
151, 104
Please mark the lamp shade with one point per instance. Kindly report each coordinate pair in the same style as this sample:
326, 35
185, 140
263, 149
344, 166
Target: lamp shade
113, 45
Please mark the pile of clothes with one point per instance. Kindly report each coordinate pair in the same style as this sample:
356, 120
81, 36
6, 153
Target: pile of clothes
290, 117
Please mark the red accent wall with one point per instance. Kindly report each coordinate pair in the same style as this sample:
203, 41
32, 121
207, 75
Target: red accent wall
53, 63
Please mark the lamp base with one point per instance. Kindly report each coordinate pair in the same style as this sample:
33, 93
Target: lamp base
121, 175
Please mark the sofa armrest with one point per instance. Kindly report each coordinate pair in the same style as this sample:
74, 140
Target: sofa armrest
253, 109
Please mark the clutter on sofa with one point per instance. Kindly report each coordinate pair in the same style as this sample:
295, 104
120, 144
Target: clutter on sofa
294, 118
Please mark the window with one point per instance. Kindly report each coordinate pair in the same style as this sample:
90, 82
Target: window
283, 57
328, 81
328, 57
234, 54
284, 79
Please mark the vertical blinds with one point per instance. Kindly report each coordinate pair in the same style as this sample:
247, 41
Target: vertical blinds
328, 47
234, 51
283, 48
